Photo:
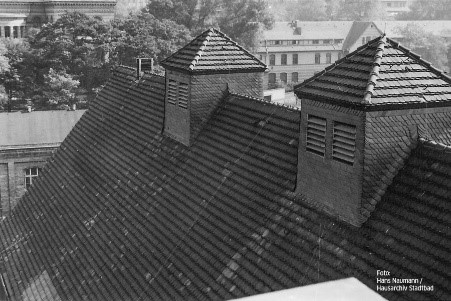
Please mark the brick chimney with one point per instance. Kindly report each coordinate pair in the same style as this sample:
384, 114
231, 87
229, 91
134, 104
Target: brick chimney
360, 119
143, 64
199, 75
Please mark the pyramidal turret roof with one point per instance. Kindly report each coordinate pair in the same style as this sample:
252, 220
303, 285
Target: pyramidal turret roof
381, 72
213, 51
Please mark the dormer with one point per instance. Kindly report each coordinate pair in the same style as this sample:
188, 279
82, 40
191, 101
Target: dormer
199, 75
360, 119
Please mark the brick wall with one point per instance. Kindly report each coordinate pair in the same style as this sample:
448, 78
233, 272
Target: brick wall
330, 184
12, 173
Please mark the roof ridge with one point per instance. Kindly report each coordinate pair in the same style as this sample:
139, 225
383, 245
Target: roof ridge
434, 144
265, 101
420, 60
337, 62
376, 68
201, 48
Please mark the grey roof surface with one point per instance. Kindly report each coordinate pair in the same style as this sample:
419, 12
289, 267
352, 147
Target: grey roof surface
36, 128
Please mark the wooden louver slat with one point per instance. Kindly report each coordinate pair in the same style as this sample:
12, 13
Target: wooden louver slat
316, 135
172, 92
343, 144
183, 95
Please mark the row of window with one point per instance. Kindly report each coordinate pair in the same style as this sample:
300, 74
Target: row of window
12, 31
295, 58
343, 140
283, 77
178, 94
304, 42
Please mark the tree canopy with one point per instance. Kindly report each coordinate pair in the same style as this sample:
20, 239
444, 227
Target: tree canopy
242, 20
428, 10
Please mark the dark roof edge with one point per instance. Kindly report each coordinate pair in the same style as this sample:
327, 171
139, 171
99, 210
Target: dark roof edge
133, 69
371, 107
216, 71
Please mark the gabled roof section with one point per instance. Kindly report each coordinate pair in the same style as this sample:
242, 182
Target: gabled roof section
356, 31
381, 72
213, 52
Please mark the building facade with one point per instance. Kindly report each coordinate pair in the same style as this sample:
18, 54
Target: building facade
15, 16
30, 139
295, 51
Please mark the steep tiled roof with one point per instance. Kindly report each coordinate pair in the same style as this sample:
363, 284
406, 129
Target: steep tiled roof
213, 51
125, 213
379, 73
36, 128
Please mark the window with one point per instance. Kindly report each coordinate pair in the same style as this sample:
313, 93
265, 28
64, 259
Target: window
277, 42
272, 78
30, 175
315, 41
15, 32
316, 135
7, 31
293, 42
283, 60
328, 58
283, 77
327, 41
294, 77
295, 59
272, 59
343, 145
172, 92
317, 58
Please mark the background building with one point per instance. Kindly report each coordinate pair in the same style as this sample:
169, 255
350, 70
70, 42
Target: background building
16, 15
27, 141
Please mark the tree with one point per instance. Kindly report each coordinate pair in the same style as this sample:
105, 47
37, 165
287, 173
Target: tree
362, 10
244, 20
193, 14
428, 10
143, 35
307, 10
431, 47
60, 88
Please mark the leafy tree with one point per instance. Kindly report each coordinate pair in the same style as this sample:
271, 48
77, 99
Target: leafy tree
361, 10
307, 10
193, 14
431, 47
60, 87
143, 35
244, 20
4, 61
428, 10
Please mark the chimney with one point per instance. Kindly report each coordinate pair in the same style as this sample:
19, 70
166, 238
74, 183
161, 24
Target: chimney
143, 64
199, 75
29, 108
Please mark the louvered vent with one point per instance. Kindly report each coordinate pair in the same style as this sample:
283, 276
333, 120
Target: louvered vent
343, 146
316, 135
183, 95
172, 92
